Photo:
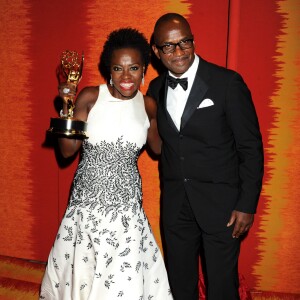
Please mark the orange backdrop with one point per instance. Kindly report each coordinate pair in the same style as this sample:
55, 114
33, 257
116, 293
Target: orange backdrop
259, 39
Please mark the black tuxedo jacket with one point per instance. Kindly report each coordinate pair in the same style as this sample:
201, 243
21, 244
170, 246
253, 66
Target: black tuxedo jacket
216, 158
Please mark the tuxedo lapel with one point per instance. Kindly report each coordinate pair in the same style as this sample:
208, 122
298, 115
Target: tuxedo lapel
197, 93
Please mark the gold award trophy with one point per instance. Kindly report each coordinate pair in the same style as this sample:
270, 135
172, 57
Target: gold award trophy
70, 74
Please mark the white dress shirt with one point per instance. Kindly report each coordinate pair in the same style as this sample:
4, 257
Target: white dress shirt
177, 98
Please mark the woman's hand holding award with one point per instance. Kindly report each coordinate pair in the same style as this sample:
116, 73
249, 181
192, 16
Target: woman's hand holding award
70, 73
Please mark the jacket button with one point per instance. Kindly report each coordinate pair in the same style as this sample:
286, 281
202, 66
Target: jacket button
181, 136
181, 158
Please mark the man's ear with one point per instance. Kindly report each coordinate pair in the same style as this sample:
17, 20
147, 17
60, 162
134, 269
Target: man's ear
155, 50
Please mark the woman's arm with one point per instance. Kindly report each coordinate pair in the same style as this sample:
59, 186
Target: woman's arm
153, 138
83, 104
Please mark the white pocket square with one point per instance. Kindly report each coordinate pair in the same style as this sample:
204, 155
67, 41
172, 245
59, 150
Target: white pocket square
205, 103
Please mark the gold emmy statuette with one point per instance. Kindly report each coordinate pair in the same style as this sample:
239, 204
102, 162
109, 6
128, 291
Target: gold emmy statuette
70, 73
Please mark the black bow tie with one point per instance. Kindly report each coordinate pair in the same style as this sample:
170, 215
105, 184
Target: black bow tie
172, 82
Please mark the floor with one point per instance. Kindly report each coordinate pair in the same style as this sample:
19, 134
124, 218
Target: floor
20, 280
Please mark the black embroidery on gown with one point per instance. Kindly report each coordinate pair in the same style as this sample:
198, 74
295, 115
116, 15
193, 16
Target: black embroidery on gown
107, 178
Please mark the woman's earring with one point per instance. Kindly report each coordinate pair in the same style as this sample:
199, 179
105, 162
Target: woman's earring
110, 81
143, 79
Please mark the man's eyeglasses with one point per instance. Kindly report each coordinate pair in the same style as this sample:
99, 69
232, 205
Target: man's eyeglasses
171, 47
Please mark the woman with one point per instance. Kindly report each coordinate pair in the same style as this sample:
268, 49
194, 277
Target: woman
104, 247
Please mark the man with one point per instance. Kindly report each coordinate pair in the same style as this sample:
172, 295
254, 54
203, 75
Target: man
211, 163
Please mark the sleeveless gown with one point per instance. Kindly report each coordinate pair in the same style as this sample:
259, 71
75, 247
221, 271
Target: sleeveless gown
104, 249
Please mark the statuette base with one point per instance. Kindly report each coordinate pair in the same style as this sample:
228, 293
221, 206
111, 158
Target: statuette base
67, 127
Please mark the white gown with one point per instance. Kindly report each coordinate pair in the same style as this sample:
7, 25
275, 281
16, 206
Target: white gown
104, 249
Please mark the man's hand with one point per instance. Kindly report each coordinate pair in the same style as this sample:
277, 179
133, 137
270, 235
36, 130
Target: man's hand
242, 223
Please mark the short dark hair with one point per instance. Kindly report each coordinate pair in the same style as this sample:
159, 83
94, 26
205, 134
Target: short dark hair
167, 18
120, 39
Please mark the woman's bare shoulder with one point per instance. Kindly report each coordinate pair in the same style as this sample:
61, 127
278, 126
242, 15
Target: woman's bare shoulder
88, 95
150, 105
89, 91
